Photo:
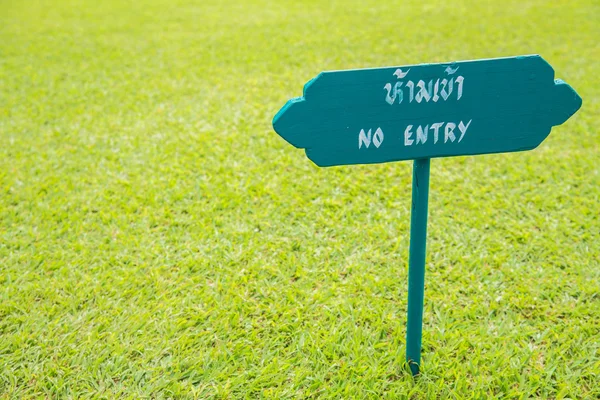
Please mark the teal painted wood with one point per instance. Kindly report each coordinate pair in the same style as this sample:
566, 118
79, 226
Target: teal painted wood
416, 262
428, 110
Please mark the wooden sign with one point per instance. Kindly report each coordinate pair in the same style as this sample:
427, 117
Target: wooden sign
424, 111
418, 112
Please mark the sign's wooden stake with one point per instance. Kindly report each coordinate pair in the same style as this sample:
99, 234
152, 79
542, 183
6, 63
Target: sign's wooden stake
416, 262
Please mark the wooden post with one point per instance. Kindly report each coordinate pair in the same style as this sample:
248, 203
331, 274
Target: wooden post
416, 262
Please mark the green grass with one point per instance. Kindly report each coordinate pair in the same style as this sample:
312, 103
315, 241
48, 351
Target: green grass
159, 240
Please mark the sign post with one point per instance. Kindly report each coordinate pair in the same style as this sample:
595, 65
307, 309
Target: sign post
419, 112
416, 262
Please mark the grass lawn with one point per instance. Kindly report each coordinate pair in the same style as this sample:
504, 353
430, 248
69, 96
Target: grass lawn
159, 240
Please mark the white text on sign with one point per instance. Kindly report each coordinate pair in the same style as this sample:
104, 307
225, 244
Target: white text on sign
434, 90
422, 91
365, 138
442, 132
439, 130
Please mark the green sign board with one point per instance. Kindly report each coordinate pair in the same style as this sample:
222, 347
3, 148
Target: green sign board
424, 111
418, 112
